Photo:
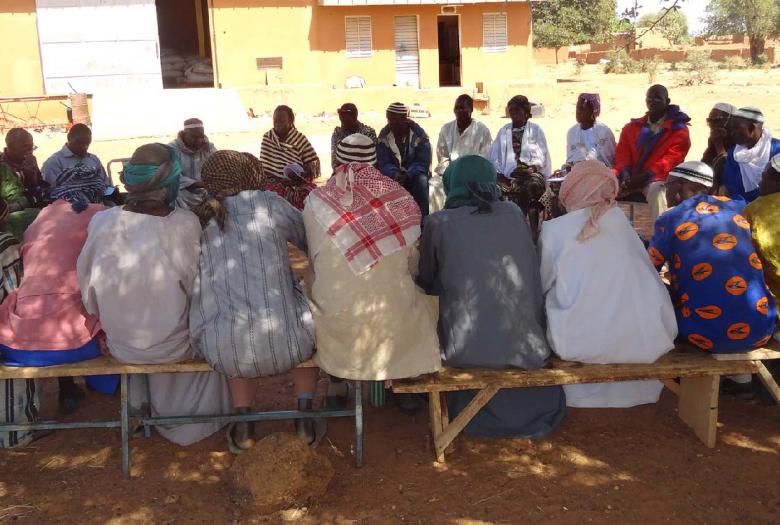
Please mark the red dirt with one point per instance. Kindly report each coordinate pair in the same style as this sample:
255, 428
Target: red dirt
624, 466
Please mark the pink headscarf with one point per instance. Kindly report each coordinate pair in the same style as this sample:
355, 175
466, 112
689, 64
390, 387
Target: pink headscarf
589, 185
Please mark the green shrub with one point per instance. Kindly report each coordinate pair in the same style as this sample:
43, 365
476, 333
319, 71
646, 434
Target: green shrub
621, 63
733, 62
697, 69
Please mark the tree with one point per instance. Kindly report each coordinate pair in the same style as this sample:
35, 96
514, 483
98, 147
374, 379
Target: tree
563, 23
756, 18
673, 25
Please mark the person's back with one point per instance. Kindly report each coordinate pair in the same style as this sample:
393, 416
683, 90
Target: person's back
137, 271
721, 300
605, 302
46, 311
261, 308
489, 287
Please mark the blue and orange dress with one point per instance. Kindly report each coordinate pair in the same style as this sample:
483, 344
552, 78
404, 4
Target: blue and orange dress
721, 299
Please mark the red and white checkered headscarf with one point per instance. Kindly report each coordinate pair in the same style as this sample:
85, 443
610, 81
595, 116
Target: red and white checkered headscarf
366, 214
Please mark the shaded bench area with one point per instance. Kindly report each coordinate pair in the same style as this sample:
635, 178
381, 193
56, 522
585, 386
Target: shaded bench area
127, 422
698, 389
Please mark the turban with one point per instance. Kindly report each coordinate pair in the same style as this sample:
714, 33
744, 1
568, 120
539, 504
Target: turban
229, 172
590, 184
153, 182
594, 100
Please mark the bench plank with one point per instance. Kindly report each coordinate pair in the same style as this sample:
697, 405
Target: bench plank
107, 365
761, 353
669, 366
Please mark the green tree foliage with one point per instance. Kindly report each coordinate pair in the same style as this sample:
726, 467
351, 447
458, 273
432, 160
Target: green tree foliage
673, 25
757, 18
563, 23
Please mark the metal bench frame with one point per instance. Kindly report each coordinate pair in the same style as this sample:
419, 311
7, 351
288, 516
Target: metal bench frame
126, 422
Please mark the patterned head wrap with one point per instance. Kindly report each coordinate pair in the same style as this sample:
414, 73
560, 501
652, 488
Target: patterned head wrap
224, 174
594, 100
470, 181
694, 171
356, 148
80, 186
153, 182
228, 172
590, 184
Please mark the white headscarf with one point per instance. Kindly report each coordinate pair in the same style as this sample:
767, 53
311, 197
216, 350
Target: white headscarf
752, 161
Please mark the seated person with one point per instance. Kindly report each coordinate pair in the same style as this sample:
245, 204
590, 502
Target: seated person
284, 147
592, 249
749, 157
21, 184
496, 276
463, 136
371, 320
649, 147
194, 149
763, 214
74, 153
520, 157
404, 154
588, 139
249, 318
719, 142
136, 273
718, 290
19, 397
43, 322
348, 116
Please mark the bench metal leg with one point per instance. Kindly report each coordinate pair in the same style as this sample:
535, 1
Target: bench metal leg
359, 423
698, 406
124, 416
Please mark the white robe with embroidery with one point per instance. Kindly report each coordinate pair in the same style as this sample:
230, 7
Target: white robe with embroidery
534, 150
596, 143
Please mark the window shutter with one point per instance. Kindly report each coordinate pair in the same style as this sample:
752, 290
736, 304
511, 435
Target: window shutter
494, 38
358, 35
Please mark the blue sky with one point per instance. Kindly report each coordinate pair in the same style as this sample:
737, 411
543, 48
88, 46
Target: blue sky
693, 9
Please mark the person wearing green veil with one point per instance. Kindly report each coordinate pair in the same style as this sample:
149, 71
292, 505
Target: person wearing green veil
478, 257
136, 273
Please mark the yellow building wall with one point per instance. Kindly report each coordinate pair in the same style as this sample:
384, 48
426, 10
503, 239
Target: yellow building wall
311, 39
20, 59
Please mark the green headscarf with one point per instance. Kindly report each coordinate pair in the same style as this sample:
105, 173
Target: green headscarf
153, 182
470, 181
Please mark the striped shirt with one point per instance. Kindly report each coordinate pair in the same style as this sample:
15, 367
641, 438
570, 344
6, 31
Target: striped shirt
275, 154
10, 264
248, 316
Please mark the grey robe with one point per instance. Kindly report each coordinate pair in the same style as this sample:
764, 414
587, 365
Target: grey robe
485, 270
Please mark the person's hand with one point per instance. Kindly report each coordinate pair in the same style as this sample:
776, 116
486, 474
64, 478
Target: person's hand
14, 206
522, 172
102, 345
402, 178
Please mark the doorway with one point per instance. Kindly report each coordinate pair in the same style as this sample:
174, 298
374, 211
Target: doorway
449, 50
185, 43
407, 52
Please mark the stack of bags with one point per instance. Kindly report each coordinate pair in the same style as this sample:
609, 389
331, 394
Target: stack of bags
185, 70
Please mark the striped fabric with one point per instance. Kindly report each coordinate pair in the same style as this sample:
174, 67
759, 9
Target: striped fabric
248, 316
18, 397
398, 108
356, 148
276, 154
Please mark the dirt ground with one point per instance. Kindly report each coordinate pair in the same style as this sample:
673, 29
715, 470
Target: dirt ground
619, 466
611, 465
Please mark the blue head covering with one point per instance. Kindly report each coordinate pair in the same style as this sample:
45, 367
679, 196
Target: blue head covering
153, 182
80, 185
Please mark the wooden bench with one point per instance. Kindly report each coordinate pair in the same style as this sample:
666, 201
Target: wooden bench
108, 365
699, 374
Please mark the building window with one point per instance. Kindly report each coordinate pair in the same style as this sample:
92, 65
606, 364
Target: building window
494, 32
358, 32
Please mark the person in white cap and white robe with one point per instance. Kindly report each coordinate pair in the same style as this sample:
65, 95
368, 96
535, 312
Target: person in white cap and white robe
747, 160
194, 148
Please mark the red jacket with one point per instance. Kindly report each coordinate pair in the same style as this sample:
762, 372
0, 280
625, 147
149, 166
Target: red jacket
670, 149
